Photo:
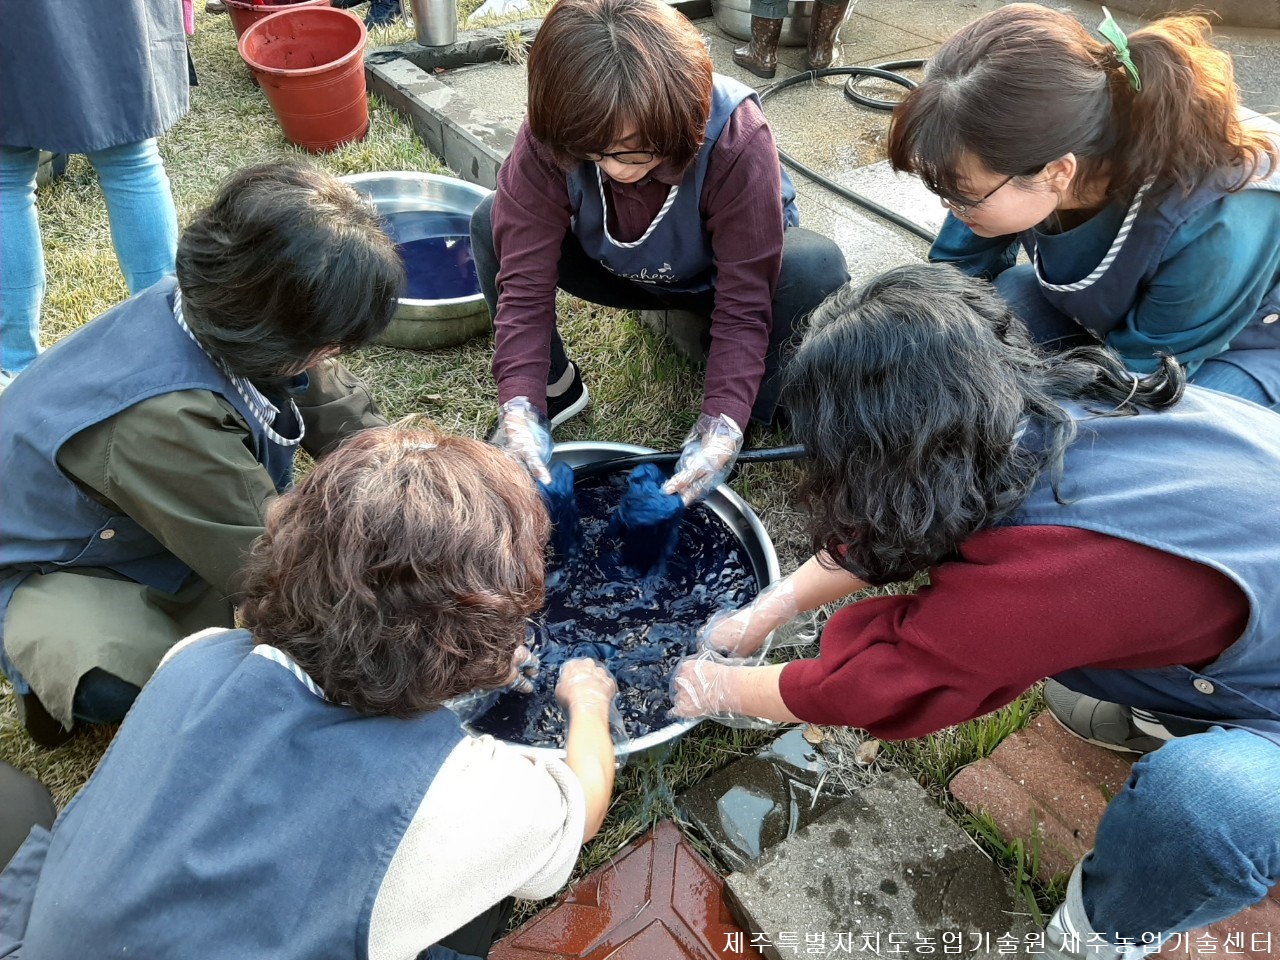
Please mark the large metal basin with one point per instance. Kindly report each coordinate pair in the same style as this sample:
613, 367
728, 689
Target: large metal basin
737, 516
427, 324
734, 18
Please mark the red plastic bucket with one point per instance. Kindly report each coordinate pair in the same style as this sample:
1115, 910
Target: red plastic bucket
245, 13
310, 64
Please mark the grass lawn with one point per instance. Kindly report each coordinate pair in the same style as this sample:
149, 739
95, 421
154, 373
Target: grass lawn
641, 393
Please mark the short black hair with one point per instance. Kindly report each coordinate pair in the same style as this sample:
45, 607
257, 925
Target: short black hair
287, 261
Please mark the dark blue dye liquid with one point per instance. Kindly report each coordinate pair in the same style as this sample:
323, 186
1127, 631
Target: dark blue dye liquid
436, 250
638, 626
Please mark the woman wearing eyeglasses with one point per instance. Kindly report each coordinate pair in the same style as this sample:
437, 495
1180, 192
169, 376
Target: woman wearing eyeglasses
1147, 201
642, 181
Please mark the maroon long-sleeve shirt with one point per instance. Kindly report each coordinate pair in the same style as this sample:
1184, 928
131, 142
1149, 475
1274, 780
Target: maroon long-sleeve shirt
741, 206
1019, 604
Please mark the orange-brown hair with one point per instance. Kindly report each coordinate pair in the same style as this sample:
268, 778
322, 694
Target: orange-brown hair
1025, 85
599, 65
401, 571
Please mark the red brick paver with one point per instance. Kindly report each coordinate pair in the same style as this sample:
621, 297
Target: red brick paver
1045, 776
657, 901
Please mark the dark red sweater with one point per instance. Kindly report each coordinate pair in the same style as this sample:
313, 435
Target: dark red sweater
1020, 604
741, 207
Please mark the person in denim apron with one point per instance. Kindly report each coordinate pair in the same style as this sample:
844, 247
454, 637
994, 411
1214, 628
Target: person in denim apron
297, 788
1110, 530
141, 450
643, 181
1146, 200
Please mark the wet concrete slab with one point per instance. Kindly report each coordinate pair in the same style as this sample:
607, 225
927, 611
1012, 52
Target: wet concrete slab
884, 873
658, 900
755, 803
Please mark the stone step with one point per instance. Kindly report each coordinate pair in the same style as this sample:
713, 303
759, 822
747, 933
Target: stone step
1044, 776
884, 873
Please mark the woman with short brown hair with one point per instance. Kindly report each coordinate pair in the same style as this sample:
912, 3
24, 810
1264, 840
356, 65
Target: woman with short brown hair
295, 789
643, 181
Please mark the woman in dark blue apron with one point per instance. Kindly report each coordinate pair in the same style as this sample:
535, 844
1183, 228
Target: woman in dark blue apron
1146, 200
642, 181
1106, 529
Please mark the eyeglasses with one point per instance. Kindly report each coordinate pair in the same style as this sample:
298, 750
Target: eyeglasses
962, 207
634, 158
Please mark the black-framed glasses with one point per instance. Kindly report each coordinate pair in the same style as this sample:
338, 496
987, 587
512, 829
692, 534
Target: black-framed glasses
961, 207
634, 158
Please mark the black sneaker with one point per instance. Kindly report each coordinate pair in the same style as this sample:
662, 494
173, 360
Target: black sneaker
1101, 723
41, 727
570, 403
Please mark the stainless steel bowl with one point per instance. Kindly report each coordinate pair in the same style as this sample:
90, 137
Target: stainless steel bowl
427, 324
737, 516
734, 18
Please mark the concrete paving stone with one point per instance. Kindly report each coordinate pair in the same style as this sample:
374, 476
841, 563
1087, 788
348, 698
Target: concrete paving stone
888, 873
1066, 782
470, 140
1045, 776
870, 245
503, 89
657, 900
754, 803
926, 18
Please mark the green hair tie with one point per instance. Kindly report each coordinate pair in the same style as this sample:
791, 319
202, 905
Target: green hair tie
1115, 36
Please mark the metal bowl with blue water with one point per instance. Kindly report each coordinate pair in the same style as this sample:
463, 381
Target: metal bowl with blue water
429, 216
741, 523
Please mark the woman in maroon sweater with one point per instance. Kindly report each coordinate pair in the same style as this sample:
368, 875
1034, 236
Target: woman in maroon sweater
1078, 521
641, 181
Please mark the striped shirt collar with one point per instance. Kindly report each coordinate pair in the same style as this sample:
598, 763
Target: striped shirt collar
263, 410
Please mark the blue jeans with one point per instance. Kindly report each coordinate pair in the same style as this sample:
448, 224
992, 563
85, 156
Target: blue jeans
144, 231
1052, 328
1193, 838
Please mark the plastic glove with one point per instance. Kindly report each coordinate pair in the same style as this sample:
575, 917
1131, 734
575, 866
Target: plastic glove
585, 683
525, 433
702, 686
524, 667
707, 457
740, 633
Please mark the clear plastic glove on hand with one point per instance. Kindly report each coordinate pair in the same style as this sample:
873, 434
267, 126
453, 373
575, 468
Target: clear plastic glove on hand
707, 457
585, 683
524, 433
524, 666
740, 633
702, 686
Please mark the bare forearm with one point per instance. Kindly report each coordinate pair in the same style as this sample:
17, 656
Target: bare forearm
756, 692
589, 754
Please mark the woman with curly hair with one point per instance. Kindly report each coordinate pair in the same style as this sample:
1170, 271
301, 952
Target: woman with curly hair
295, 788
1146, 198
1078, 522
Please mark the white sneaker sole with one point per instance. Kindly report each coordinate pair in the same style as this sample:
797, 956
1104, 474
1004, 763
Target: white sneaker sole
571, 411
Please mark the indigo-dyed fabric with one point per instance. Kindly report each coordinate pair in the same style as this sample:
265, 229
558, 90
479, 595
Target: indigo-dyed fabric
647, 521
562, 507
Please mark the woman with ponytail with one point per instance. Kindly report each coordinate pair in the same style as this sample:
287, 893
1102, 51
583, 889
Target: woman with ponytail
1109, 530
1146, 198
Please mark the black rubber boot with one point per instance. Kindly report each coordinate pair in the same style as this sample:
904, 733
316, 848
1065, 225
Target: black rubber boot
823, 29
760, 55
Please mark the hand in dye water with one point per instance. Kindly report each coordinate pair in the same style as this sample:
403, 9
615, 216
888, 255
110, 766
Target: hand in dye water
523, 431
740, 633
702, 686
707, 457
524, 667
585, 683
